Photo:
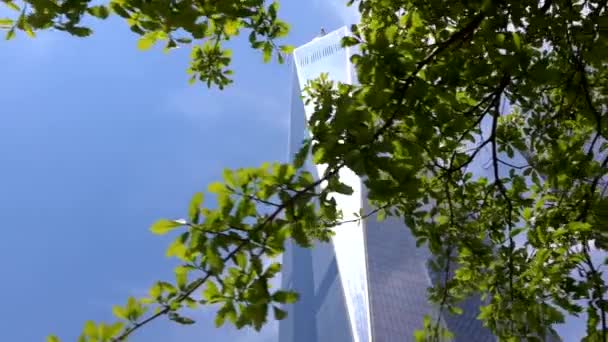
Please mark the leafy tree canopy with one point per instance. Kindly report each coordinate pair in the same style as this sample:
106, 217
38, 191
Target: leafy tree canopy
173, 22
432, 73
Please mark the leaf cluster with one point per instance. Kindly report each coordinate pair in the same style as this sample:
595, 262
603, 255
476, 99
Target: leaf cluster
206, 25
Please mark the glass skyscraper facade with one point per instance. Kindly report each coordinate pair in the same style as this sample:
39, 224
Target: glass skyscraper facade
369, 284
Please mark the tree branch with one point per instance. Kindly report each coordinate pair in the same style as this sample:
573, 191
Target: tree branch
199, 282
503, 190
520, 167
495, 96
463, 34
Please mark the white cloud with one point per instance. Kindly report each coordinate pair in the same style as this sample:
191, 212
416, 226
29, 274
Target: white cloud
198, 102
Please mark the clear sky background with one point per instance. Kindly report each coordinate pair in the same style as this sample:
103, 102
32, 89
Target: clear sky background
97, 141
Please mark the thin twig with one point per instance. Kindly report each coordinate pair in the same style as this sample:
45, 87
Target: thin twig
503, 190
519, 167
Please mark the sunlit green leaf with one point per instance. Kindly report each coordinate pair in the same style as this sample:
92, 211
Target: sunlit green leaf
119, 312
279, 314
164, 226
90, 329
195, 207
10, 34
12, 5
5, 22
231, 27
285, 297
99, 11
516, 40
181, 276
147, 41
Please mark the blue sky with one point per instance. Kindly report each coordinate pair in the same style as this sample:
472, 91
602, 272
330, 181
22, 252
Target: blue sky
97, 141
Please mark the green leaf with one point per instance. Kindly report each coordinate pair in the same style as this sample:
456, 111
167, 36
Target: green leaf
342, 188
420, 336
184, 40
287, 49
349, 41
29, 30
285, 297
114, 329
527, 213
181, 277
226, 311
229, 178
100, 11
241, 259
579, 226
415, 19
177, 249
456, 310
118, 9
420, 242
279, 314
90, 329
272, 270
12, 5
500, 38
10, 34
211, 292
464, 274
180, 319
171, 44
273, 9
6, 22
516, 40
134, 309
231, 27
302, 154
191, 303
155, 291
517, 231
381, 216
267, 52
80, 31
195, 207
119, 312
147, 41
214, 260
164, 226
53, 338
217, 188
390, 32
219, 320
318, 155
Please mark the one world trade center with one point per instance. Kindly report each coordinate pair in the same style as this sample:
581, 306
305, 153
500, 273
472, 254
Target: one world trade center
369, 284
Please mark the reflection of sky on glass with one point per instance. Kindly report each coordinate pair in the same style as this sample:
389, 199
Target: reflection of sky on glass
323, 55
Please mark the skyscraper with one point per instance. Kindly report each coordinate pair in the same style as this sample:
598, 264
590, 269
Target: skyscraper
370, 283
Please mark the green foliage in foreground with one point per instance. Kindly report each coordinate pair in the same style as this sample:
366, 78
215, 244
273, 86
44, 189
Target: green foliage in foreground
431, 73
205, 24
